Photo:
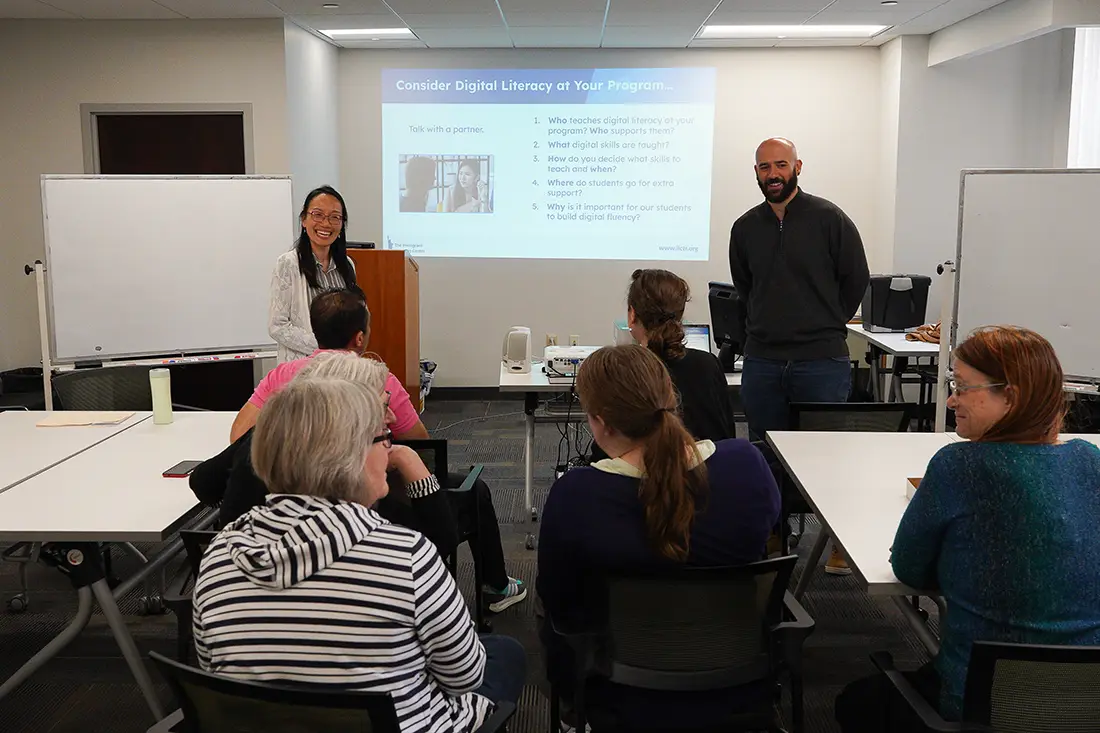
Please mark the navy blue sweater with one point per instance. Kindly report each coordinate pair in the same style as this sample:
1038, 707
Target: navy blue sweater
593, 524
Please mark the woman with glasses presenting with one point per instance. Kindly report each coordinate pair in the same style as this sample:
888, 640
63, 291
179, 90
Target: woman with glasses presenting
318, 262
1003, 525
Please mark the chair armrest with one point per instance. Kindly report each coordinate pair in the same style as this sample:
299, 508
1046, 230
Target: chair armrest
173, 591
502, 713
793, 632
468, 482
929, 716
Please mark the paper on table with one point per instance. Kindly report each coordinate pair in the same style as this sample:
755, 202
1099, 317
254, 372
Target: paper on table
77, 418
911, 486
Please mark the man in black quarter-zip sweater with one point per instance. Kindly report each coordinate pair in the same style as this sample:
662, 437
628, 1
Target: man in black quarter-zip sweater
798, 263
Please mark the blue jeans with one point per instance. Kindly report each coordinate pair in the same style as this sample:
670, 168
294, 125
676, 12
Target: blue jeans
505, 668
769, 386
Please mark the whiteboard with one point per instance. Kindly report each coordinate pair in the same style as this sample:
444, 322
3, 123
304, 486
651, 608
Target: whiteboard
154, 265
1029, 255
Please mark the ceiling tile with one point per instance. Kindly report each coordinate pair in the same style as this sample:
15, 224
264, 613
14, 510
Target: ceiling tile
453, 20
732, 9
333, 22
527, 37
116, 9
620, 36
347, 7
465, 37
759, 17
223, 8
590, 6
895, 15
436, 7
944, 15
31, 9
519, 18
657, 20
665, 7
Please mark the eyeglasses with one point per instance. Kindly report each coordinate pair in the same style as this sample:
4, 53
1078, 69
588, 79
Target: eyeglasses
319, 216
957, 388
386, 439
386, 404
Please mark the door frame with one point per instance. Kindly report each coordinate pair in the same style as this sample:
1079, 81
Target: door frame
90, 131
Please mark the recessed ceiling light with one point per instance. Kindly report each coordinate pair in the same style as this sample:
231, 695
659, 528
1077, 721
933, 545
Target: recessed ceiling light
363, 34
330, 6
791, 31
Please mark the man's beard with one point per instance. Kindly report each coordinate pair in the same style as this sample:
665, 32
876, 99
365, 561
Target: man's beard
784, 193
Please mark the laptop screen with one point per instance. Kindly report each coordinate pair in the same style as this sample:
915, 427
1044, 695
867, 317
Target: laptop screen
697, 336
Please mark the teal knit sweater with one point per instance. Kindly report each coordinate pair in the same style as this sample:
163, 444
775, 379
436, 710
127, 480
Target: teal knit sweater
1008, 533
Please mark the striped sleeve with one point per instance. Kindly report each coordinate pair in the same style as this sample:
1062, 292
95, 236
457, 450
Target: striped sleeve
424, 487
456, 656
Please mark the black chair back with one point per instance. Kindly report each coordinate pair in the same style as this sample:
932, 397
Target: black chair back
695, 628
1021, 688
107, 388
214, 703
195, 543
869, 417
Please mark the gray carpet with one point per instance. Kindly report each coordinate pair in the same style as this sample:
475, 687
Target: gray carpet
88, 687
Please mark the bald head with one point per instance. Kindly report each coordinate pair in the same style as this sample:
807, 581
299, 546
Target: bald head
777, 168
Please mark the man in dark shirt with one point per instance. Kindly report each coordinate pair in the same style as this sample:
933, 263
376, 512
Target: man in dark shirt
798, 264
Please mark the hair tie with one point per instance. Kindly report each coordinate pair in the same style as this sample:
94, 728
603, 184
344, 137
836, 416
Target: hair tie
664, 409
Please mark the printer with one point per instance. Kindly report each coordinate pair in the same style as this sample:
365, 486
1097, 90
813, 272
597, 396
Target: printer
895, 303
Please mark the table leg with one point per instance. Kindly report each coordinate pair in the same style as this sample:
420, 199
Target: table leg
59, 642
811, 563
876, 373
125, 642
920, 628
529, 407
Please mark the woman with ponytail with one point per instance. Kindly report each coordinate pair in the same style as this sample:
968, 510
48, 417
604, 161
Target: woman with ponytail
655, 311
660, 499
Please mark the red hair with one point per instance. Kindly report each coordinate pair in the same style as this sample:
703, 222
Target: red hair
1028, 366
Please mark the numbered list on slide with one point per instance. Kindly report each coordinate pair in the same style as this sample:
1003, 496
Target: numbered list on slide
603, 164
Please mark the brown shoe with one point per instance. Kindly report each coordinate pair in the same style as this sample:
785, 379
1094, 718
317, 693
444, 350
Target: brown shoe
836, 564
775, 545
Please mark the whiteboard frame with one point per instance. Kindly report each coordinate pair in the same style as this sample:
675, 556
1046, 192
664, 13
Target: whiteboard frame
51, 357
1086, 382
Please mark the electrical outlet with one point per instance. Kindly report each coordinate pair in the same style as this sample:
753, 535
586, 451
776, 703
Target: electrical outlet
574, 339
551, 339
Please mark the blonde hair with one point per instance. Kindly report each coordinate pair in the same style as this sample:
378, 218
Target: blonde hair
313, 436
347, 366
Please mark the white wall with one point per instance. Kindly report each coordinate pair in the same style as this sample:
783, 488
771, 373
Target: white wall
826, 100
890, 57
51, 67
1005, 109
311, 74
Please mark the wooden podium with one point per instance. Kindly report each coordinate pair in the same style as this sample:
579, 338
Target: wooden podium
391, 281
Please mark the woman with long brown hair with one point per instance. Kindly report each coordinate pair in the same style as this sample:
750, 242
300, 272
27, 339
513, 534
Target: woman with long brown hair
1003, 525
661, 499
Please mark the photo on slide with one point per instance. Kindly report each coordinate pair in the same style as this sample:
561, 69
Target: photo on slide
446, 184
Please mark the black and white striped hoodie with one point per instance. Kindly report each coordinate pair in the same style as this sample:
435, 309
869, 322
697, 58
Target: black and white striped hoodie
306, 590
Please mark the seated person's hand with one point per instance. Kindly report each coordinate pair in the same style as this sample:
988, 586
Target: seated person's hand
406, 462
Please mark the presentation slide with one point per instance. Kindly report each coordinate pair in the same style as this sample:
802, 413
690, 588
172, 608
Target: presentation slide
607, 164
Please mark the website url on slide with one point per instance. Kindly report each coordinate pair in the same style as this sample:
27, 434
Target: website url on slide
677, 248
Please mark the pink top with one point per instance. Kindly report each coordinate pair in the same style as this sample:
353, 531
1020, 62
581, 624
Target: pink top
405, 417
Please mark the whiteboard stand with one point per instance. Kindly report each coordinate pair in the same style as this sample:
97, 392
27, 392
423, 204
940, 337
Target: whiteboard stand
947, 338
39, 271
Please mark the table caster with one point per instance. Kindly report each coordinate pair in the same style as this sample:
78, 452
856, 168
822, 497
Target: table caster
529, 543
17, 603
151, 605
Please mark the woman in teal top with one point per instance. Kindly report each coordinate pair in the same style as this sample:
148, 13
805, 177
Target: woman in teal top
1004, 525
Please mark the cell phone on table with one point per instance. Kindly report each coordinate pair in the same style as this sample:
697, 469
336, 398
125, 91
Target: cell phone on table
182, 469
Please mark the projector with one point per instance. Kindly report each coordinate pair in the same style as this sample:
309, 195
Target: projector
562, 362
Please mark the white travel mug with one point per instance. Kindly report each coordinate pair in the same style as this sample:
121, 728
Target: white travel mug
160, 384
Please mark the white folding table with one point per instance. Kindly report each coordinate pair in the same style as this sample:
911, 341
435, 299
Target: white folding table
30, 450
112, 491
532, 385
892, 344
855, 483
